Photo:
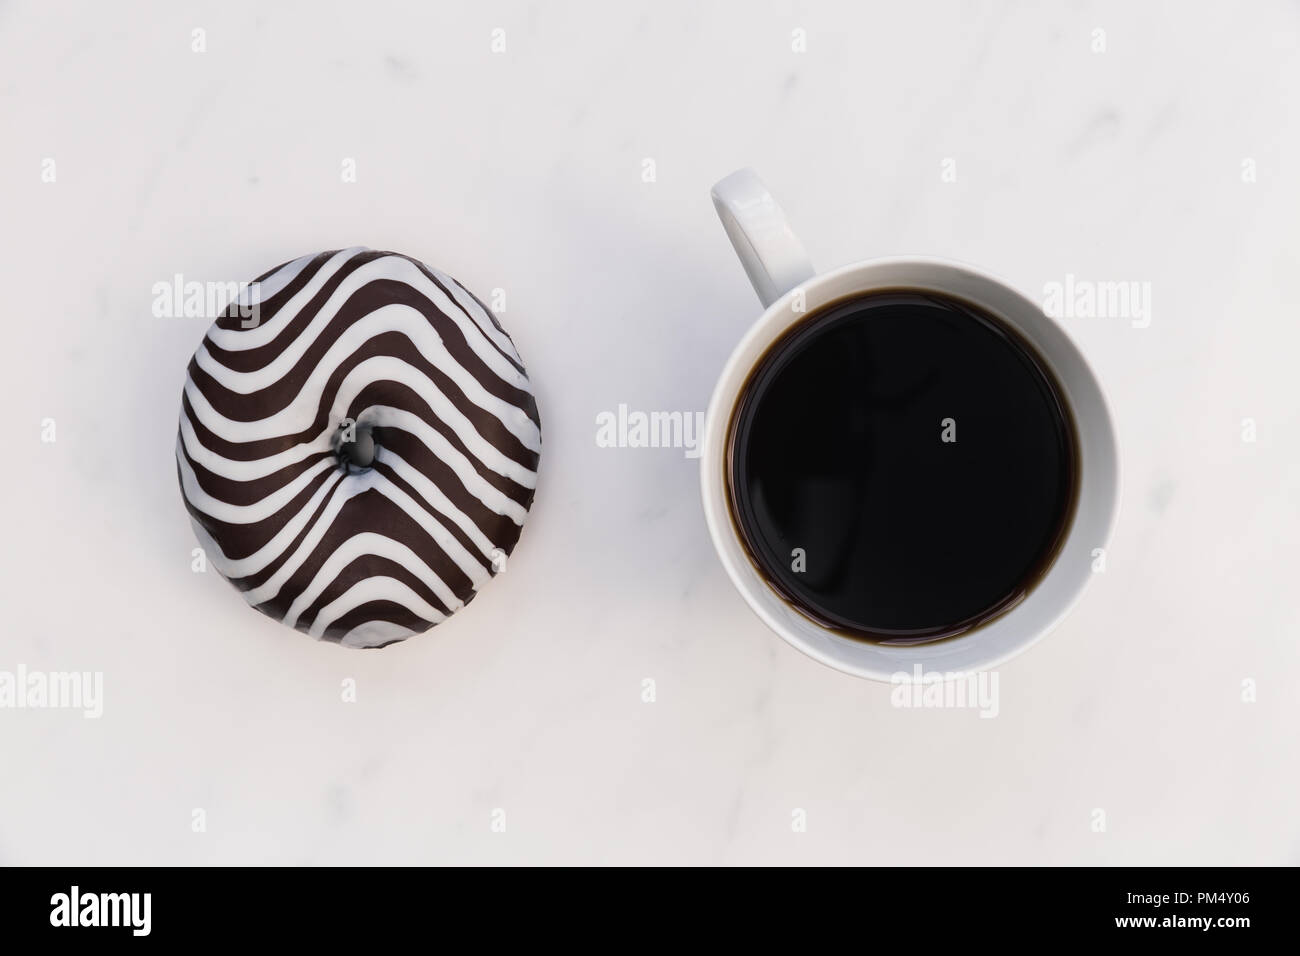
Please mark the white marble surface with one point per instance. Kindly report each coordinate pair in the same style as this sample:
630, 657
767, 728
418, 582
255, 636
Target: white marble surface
523, 170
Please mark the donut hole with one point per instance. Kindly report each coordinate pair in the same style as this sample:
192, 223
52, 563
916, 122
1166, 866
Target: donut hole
354, 445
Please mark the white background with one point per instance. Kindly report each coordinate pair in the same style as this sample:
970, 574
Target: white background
523, 170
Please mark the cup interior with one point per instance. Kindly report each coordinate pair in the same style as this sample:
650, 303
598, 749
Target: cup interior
1098, 480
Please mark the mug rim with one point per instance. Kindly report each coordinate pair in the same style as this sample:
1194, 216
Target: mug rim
774, 322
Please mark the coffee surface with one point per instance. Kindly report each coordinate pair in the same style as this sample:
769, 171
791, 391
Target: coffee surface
902, 466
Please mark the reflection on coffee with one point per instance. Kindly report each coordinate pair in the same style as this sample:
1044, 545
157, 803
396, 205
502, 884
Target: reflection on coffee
902, 466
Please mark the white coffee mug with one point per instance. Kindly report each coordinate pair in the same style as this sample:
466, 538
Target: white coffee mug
791, 292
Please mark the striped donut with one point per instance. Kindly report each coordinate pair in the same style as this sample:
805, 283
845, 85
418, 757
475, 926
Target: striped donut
358, 455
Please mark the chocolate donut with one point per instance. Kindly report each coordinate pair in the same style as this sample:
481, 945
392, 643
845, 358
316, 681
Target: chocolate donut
358, 455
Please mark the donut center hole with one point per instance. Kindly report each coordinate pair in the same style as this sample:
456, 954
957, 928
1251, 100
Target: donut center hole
355, 445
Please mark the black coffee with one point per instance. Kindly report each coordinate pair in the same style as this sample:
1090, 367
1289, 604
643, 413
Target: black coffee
902, 466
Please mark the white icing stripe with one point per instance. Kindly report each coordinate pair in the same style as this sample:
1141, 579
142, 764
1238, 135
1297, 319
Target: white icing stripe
473, 482
237, 340
374, 589
494, 500
298, 415
275, 283
380, 368
258, 510
376, 634
483, 451
208, 459
347, 489
389, 318
475, 311
435, 501
244, 567
360, 545
394, 268
477, 574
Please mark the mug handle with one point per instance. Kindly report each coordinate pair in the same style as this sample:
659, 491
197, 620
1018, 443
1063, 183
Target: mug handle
773, 257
